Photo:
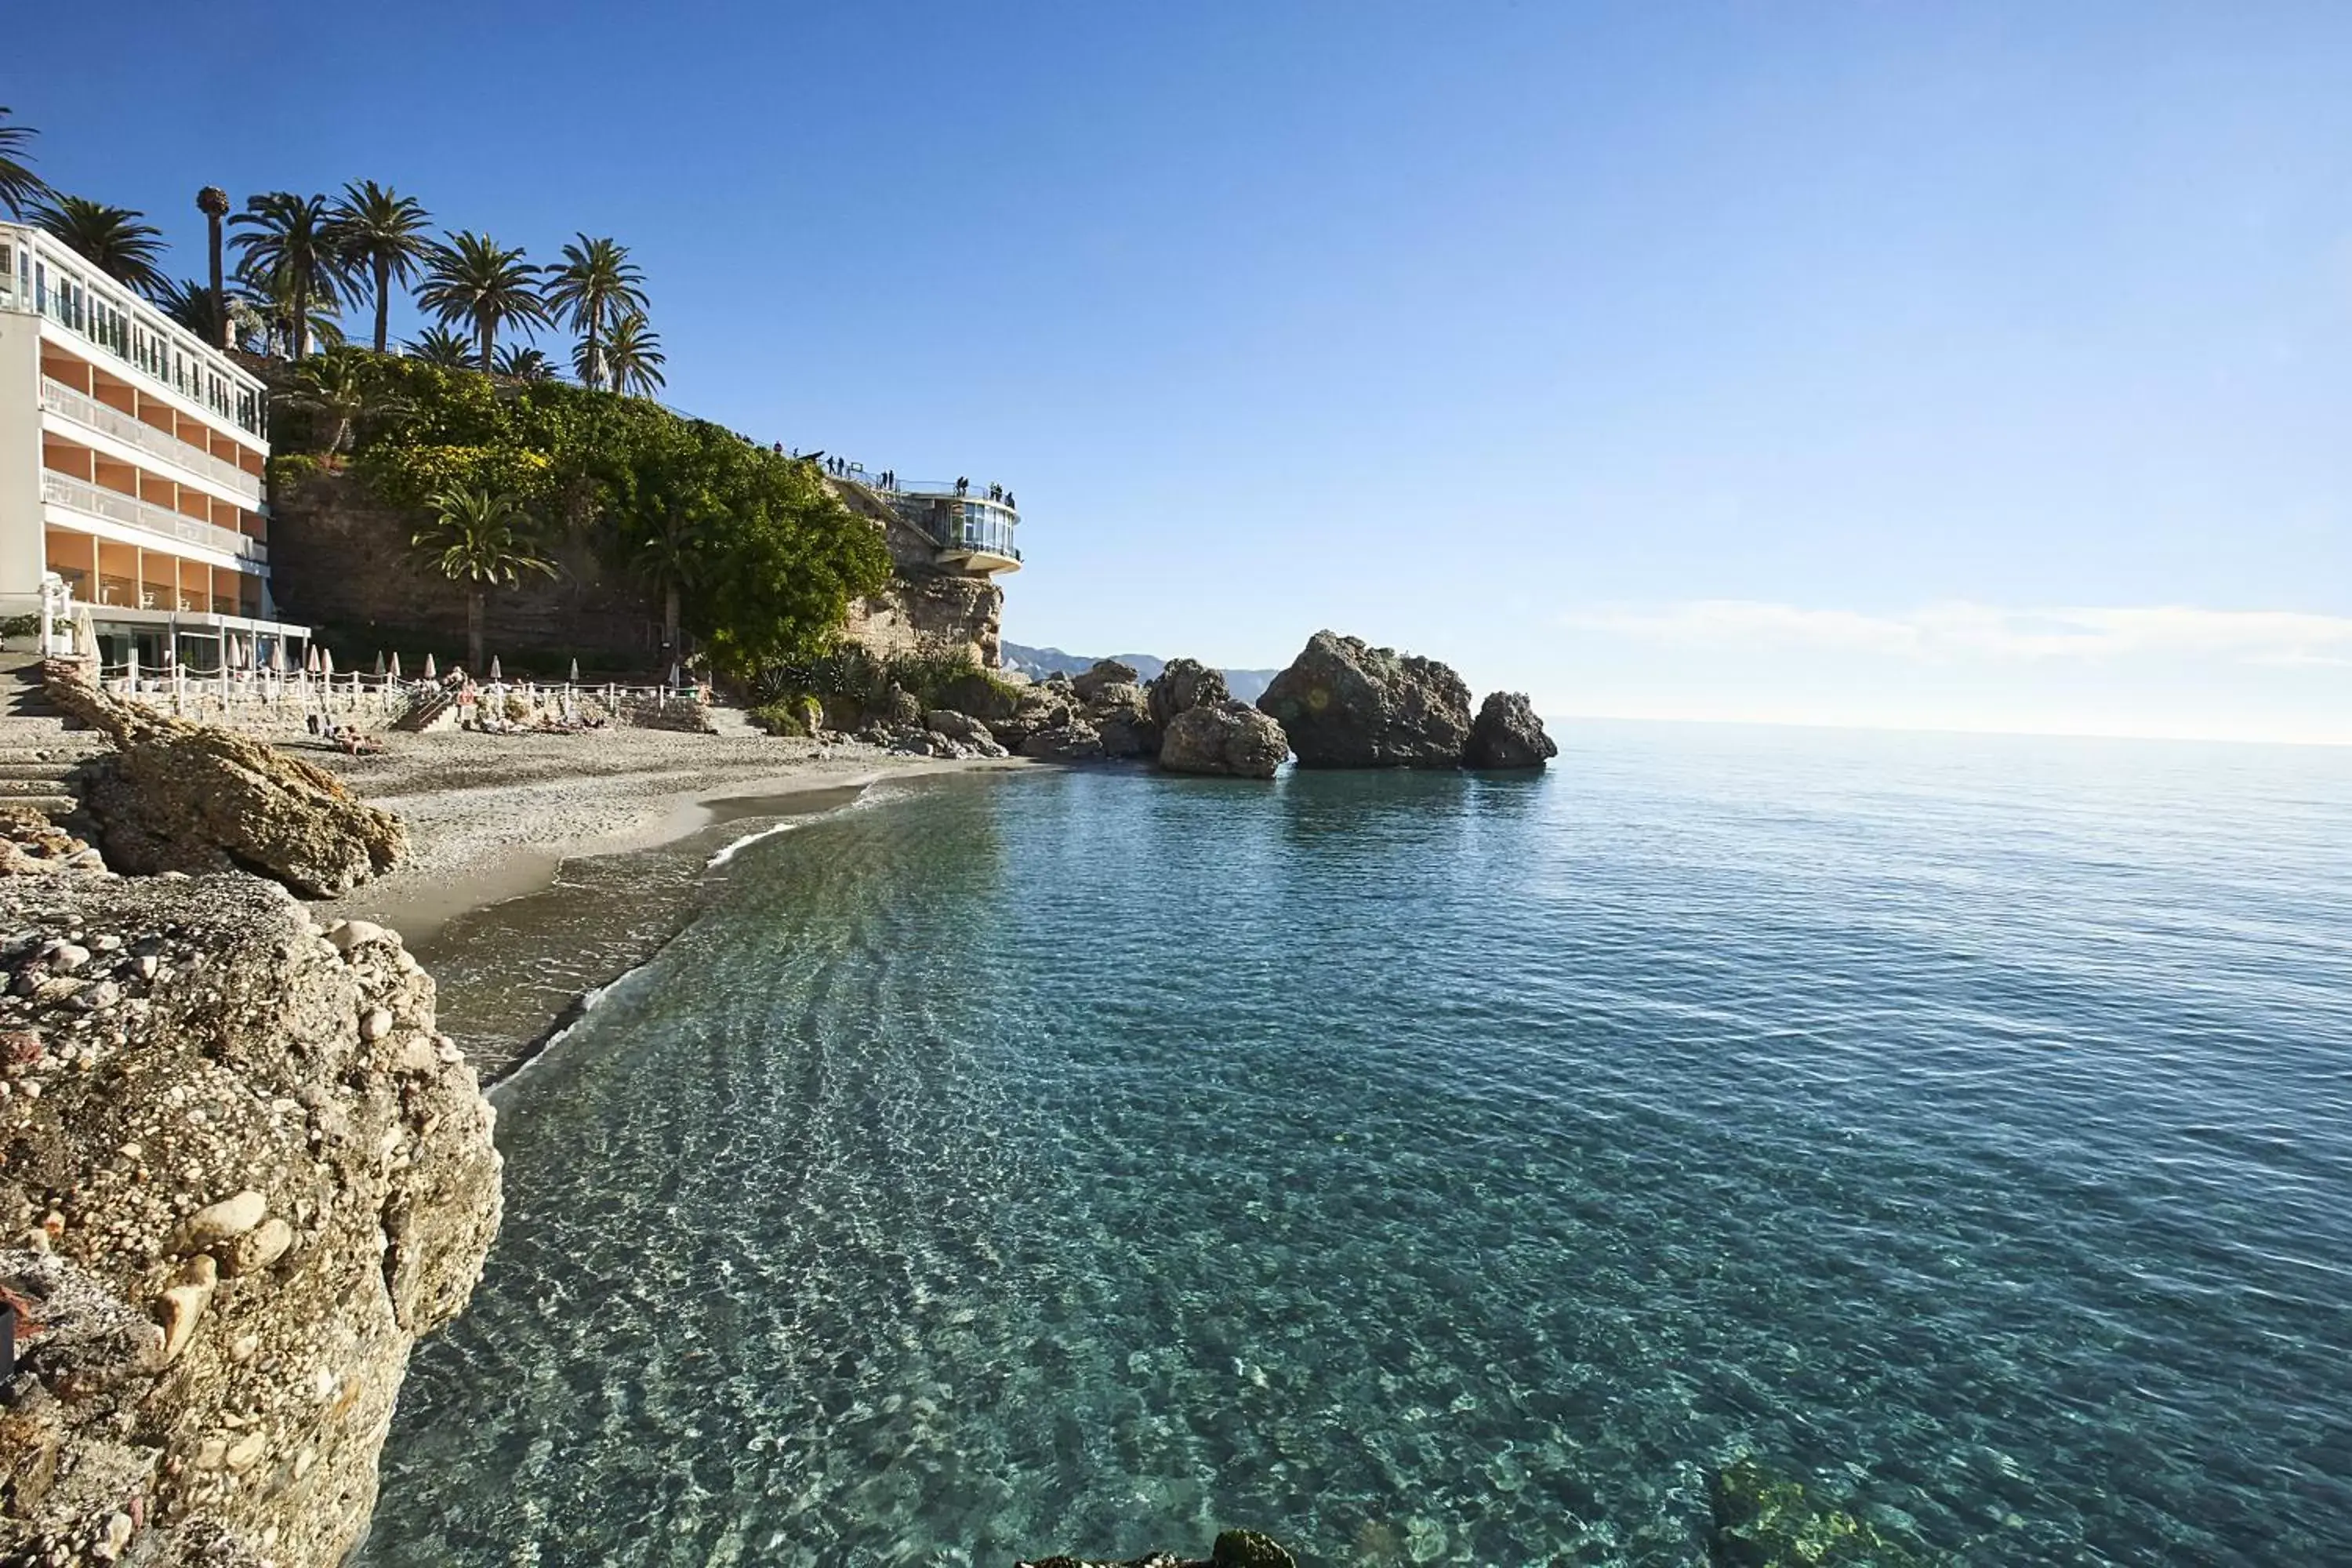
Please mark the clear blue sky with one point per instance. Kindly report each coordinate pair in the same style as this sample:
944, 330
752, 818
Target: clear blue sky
1868, 362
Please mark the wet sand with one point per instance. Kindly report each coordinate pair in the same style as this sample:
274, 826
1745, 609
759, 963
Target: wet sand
544, 868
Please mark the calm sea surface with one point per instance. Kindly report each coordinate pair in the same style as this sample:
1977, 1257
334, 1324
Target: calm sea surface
1442, 1168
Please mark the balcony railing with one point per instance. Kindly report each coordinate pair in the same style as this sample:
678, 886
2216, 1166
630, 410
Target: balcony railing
40, 276
84, 410
992, 534
96, 500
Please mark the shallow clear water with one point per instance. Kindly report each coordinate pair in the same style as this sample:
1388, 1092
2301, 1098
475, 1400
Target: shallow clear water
1447, 1170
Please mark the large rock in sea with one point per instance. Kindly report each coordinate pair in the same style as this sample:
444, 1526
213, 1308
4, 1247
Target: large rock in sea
1347, 705
1508, 734
178, 796
1182, 685
245, 1175
1229, 737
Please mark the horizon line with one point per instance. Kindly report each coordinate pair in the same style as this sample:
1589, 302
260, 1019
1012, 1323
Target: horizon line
2048, 733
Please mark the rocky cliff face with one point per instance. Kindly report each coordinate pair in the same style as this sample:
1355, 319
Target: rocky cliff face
341, 558
242, 1174
925, 610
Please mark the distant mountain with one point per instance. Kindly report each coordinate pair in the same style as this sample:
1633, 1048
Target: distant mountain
1037, 663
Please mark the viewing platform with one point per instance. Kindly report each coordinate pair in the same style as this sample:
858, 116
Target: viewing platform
974, 532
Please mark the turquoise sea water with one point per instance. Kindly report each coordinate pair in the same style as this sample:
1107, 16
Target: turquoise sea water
1445, 1169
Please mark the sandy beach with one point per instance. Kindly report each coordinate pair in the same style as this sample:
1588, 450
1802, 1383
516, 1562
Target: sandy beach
492, 817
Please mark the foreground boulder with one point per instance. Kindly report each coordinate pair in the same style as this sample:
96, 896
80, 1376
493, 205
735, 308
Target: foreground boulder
1508, 734
178, 796
244, 1175
1184, 684
1230, 737
1346, 705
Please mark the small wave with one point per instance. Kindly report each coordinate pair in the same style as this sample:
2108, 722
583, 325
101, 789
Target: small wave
730, 851
573, 1015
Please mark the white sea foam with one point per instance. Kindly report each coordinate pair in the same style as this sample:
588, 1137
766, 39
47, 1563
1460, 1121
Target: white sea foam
730, 851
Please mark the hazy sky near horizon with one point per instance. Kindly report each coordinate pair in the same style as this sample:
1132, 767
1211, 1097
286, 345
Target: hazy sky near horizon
1986, 366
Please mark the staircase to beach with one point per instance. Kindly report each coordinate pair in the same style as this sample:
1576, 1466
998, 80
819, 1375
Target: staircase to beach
38, 753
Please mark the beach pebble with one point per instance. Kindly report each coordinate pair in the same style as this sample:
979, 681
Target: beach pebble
218, 1222
375, 1024
349, 935
66, 957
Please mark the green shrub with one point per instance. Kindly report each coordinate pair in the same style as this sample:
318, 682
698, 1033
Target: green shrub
764, 558
288, 469
801, 715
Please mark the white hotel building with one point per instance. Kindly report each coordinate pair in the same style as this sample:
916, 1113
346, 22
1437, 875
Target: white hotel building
131, 470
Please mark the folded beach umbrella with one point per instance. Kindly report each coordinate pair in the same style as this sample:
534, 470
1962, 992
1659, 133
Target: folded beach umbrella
496, 673
379, 664
327, 662
133, 671
277, 655
575, 672
311, 660
430, 673
673, 675
395, 664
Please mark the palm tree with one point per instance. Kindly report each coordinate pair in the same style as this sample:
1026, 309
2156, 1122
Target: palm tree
342, 387
20, 187
380, 232
520, 362
269, 302
476, 538
213, 202
473, 279
634, 357
595, 284
195, 306
112, 238
290, 256
671, 557
439, 345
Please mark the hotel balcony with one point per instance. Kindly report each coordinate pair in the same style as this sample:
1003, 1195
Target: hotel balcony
88, 502
973, 534
82, 311
102, 424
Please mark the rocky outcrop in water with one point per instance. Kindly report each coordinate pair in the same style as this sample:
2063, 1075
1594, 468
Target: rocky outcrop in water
1229, 738
1508, 734
243, 1174
1182, 685
1345, 704
178, 796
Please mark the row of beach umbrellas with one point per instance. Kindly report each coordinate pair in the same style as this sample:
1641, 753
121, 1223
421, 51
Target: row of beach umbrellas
320, 662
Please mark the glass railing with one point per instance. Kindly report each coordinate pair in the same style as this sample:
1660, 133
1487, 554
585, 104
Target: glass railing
990, 531
82, 409
97, 500
38, 276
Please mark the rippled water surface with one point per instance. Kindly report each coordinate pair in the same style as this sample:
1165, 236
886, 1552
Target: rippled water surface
1445, 1169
